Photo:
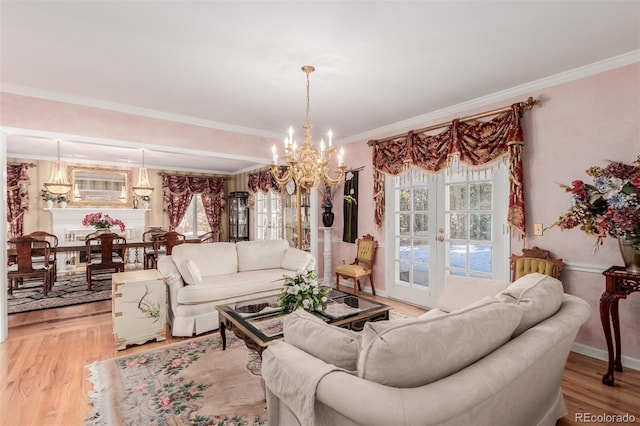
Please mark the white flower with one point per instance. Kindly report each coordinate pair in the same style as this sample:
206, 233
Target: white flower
316, 290
306, 303
304, 286
324, 299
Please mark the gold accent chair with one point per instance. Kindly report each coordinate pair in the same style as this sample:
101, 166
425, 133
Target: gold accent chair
535, 260
362, 266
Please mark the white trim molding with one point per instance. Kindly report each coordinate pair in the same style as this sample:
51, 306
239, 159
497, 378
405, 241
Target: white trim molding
601, 354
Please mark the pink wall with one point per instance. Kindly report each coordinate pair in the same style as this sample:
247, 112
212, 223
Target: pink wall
39, 114
579, 124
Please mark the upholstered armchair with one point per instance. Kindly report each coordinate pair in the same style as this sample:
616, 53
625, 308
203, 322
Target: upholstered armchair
362, 266
535, 260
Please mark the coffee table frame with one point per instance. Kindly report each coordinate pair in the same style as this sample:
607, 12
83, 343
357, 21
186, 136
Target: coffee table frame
254, 339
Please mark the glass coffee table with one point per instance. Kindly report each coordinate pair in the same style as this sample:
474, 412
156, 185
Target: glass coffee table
259, 321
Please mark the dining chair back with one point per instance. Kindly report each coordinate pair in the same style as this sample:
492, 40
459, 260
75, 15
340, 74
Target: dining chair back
26, 248
362, 266
53, 241
149, 252
105, 252
163, 244
210, 237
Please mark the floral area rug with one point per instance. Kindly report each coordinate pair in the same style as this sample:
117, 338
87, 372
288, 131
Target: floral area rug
189, 383
67, 290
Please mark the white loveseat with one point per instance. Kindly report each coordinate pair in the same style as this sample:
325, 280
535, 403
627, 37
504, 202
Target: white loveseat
202, 276
492, 360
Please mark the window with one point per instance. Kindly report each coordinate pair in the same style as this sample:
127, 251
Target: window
268, 216
194, 222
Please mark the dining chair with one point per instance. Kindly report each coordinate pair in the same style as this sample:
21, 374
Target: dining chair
105, 252
362, 266
535, 260
210, 237
164, 243
149, 252
26, 248
53, 262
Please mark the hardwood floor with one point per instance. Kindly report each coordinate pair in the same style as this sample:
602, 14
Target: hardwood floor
44, 379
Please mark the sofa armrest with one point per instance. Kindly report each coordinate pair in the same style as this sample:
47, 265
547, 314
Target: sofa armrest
174, 280
297, 260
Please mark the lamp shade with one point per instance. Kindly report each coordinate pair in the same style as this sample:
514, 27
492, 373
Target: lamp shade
143, 189
58, 183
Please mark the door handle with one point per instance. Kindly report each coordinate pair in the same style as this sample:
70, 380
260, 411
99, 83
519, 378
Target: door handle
440, 238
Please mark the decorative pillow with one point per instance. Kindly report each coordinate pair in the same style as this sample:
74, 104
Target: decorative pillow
331, 344
539, 296
459, 292
295, 260
422, 351
191, 273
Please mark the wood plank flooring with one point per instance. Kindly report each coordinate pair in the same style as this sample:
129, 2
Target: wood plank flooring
43, 379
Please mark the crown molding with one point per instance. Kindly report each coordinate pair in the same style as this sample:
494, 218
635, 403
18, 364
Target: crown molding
127, 109
524, 89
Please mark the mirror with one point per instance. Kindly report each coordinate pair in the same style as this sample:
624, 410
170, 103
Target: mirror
100, 186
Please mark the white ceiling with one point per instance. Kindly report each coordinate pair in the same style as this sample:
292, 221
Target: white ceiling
236, 65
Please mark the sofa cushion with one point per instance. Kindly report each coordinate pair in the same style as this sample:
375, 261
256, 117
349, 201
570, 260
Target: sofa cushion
415, 353
260, 254
334, 345
295, 260
538, 295
459, 292
211, 258
220, 287
192, 274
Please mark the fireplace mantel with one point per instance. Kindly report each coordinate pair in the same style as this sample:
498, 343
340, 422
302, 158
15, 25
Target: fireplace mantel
69, 220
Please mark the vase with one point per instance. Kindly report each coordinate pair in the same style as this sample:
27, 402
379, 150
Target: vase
327, 217
146, 205
49, 204
62, 204
630, 250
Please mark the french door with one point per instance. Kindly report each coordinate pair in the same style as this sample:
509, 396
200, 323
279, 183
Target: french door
447, 223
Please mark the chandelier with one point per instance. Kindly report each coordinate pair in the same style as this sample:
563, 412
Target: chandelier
58, 183
307, 165
144, 188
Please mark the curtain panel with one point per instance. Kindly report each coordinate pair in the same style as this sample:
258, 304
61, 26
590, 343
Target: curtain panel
474, 143
17, 197
178, 190
263, 181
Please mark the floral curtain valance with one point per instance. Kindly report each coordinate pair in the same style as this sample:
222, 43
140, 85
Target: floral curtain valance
263, 181
17, 196
474, 143
178, 190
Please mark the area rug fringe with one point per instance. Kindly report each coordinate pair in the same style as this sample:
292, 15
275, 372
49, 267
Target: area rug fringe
99, 414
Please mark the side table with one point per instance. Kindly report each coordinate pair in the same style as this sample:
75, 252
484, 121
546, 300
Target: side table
619, 283
139, 307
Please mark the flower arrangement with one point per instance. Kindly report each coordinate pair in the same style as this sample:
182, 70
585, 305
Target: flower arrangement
302, 291
47, 196
100, 221
609, 206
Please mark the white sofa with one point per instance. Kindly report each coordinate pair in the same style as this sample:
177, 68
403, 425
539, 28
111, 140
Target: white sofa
491, 360
202, 276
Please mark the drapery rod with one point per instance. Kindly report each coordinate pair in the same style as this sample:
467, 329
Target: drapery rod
528, 104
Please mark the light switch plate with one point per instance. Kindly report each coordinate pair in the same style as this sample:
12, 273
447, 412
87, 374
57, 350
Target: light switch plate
537, 229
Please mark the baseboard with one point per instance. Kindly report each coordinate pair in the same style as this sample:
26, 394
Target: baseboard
365, 288
627, 361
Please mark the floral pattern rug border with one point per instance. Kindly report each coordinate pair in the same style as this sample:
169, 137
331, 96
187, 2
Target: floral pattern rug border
152, 387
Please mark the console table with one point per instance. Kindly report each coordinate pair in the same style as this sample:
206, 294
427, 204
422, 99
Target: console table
619, 283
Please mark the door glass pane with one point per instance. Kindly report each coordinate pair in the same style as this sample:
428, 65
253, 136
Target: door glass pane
420, 224
457, 197
405, 199
458, 255
480, 227
405, 223
420, 258
420, 199
480, 257
458, 226
480, 196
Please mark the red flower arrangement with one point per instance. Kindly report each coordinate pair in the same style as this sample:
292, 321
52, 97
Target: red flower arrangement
100, 221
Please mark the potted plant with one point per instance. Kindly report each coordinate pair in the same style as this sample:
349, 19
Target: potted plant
48, 198
62, 201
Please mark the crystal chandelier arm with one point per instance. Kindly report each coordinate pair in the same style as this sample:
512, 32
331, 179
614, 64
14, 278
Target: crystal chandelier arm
281, 180
334, 181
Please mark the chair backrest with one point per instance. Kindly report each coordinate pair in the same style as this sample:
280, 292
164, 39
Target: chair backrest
535, 260
106, 244
210, 237
42, 235
27, 247
366, 250
169, 240
149, 235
